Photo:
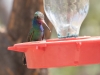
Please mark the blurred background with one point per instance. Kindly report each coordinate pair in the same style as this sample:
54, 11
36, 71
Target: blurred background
15, 21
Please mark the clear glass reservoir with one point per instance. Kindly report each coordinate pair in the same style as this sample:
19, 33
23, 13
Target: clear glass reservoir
66, 15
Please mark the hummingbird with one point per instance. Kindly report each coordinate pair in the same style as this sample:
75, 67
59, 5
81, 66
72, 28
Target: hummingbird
36, 33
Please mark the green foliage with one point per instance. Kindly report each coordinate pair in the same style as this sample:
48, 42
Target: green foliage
91, 25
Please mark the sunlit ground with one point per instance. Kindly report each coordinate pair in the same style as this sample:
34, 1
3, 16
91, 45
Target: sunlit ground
2, 29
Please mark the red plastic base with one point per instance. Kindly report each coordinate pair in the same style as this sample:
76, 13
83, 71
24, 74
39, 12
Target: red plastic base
60, 52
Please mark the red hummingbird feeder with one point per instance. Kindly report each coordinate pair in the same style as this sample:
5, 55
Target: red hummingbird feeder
67, 17
60, 52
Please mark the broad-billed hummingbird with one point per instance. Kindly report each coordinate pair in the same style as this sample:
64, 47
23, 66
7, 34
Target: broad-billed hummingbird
36, 33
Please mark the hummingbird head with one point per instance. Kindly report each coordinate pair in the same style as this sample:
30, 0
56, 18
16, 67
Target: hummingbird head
40, 18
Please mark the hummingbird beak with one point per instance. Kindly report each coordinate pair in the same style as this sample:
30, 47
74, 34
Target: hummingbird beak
45, 24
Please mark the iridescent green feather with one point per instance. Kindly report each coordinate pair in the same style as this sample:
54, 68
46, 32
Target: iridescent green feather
34, 35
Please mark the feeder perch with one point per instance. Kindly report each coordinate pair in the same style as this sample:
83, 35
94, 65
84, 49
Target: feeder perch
60, 52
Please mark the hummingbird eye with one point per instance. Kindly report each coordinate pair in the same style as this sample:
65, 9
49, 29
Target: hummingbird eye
37, 17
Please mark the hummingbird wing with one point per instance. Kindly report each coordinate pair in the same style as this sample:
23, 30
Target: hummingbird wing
29, 38
30, 35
